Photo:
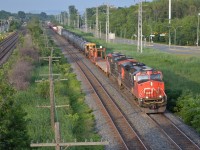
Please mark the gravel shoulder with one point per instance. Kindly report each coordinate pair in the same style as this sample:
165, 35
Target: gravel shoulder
191, 133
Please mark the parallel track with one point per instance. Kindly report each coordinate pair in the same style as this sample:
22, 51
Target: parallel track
127, 137
176, 136
7, 46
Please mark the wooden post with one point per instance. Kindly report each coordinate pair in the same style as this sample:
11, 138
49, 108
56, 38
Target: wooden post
51, 93
57, 135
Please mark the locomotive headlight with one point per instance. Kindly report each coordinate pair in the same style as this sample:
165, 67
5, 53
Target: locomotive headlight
147, 97
160, 96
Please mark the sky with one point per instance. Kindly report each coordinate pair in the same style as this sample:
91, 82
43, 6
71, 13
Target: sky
56, 6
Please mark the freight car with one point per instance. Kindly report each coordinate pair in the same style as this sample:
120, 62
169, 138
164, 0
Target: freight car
90, 50
145, 83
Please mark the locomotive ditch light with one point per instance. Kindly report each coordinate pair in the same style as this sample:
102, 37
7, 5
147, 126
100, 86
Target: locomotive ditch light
140, 102
160, 96
147, 97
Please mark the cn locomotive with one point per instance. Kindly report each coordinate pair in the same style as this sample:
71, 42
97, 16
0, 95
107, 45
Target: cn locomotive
145, 83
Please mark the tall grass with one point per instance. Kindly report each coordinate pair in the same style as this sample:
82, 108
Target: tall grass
76, 120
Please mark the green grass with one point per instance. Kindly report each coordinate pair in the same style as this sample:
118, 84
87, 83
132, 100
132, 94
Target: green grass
76, 121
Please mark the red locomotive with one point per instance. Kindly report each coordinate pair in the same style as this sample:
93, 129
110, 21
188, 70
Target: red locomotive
144, 82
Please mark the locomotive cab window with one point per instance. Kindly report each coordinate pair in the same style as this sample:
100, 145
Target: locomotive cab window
142, 78
156, 77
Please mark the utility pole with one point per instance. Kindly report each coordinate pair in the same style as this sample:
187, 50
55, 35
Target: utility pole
107, 24
139, 43
65, 18
52, 102
100, 29
61, 18
86, 26
51, 87
7, 25
58, 18
170, 6
78, 22
54, 124
69, 19
97, 23
198, 30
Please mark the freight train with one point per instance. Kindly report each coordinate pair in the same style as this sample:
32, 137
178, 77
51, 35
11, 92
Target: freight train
145, 83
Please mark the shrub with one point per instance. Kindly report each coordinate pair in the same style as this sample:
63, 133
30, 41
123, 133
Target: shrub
188, 107
20, 75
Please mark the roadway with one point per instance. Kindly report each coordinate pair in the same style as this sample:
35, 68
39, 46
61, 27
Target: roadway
175, 49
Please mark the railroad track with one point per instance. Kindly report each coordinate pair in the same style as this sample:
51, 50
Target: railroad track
6, 47
176, 136
122, 130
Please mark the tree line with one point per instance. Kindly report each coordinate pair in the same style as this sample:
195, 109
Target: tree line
124, 20
16, 20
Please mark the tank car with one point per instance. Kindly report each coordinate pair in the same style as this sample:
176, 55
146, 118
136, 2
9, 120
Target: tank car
78, 41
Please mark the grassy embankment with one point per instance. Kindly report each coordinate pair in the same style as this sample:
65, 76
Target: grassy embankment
76, 121
181, 76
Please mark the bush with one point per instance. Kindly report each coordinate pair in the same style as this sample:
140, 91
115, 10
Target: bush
188, 107
20, 75
13, 126
172, 96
